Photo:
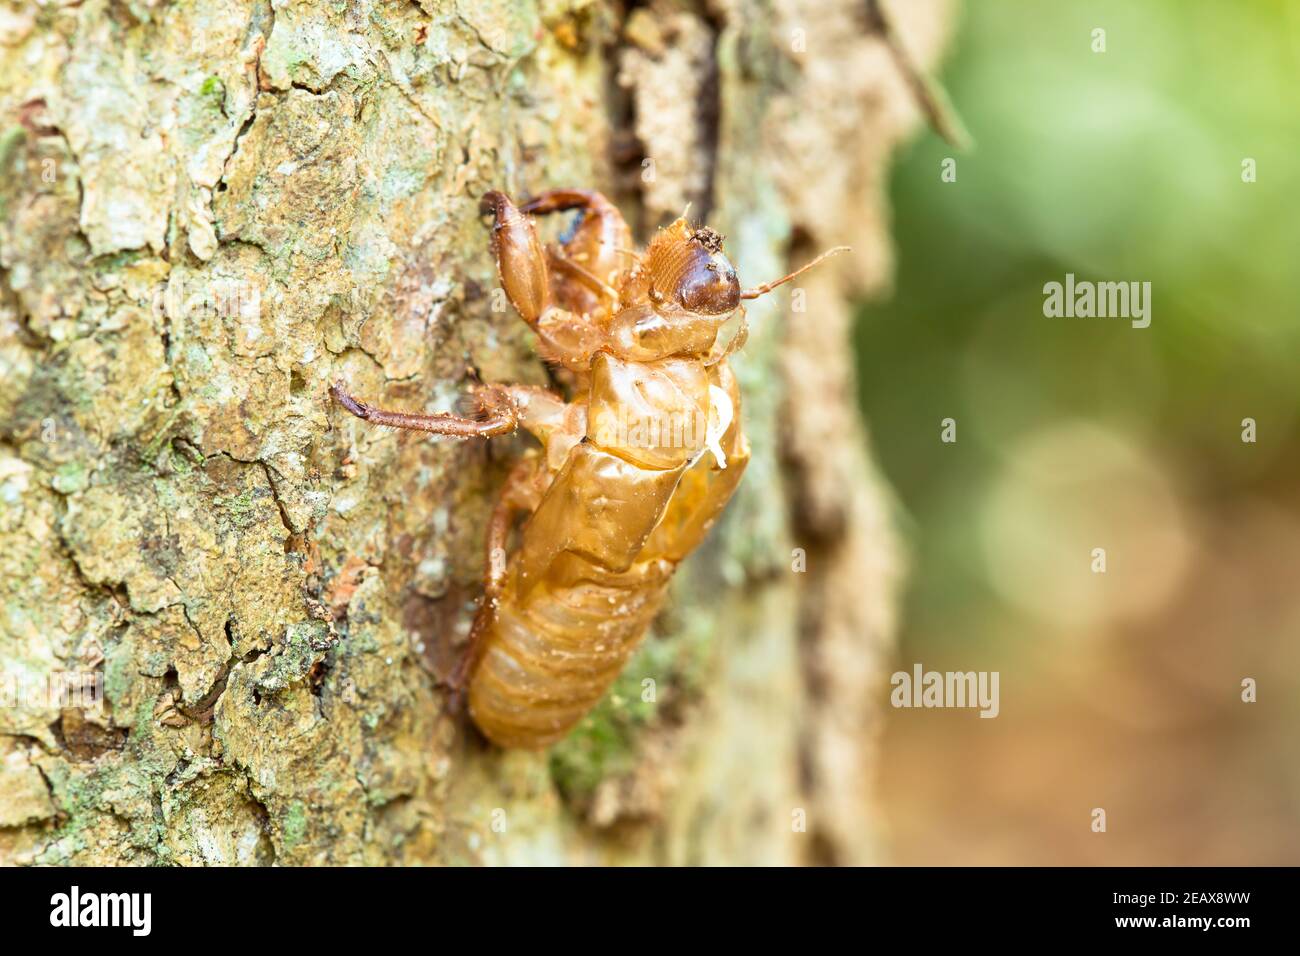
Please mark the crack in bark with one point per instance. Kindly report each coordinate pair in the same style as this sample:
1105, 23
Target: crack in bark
710, 112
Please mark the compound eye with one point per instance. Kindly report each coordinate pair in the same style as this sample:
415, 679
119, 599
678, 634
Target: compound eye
709, 286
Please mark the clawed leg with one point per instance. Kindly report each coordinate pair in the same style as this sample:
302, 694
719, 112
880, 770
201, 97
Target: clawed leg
541, 298
519, 495
521, 258
583, 290
581, 276
556, 423
500, 414
541, 412
562, 200
601, 241
595, 254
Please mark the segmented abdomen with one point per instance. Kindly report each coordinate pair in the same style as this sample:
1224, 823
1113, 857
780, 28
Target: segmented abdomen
550, 657
569, 618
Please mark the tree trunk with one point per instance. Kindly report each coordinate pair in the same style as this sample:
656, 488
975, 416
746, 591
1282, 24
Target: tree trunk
212, 209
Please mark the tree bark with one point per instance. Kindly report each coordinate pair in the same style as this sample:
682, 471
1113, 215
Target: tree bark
212, 210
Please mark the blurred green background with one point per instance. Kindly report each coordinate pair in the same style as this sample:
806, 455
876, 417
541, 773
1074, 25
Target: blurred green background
1119, 690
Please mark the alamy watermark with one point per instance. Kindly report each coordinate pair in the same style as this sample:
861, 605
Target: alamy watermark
686, 429
1103, 300
75, 908
623, 427
56, 690
922, 688
199, 298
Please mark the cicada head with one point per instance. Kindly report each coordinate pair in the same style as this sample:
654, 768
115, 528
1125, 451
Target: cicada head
682, 294
688, 268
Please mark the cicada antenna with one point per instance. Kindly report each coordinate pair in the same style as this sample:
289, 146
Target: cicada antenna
769, 286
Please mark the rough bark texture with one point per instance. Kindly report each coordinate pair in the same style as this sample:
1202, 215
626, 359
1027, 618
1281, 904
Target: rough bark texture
211, 209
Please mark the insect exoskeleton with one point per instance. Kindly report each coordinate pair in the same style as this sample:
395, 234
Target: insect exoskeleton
634, 467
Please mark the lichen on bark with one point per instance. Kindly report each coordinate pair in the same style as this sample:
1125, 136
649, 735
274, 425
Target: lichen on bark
212, 209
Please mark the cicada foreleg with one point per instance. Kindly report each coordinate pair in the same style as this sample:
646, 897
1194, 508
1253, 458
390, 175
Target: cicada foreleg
557, 306
596, 251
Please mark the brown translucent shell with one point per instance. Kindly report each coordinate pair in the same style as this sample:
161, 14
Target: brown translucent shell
635, 467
